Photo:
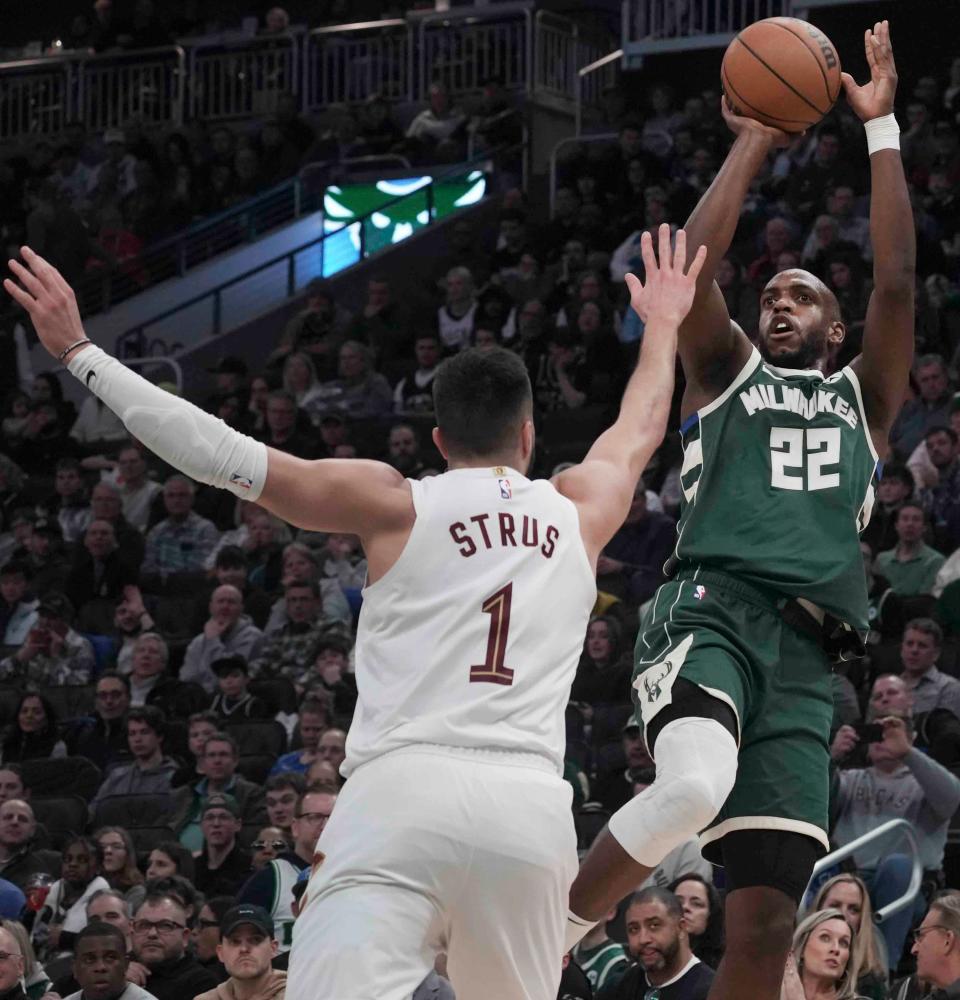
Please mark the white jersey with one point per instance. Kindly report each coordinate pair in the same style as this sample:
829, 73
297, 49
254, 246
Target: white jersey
473, 636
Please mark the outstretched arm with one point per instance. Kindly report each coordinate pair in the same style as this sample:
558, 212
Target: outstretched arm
888, 340
357, 497
712, 348
602, 485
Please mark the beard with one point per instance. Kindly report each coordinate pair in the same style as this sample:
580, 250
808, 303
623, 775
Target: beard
811, 350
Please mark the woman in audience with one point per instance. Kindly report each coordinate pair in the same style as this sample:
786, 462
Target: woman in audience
703, 911
206, 932
36, 982
603, 674
170, 858
300, 379
34, 733
821, 965
271, 842
848, 894
119, 858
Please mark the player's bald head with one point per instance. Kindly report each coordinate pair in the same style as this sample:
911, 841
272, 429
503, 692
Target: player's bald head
796, 276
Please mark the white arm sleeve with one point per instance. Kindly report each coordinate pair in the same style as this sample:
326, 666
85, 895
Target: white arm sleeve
198, 444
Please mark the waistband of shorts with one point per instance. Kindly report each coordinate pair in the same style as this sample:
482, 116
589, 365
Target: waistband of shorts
769, 599
477, 755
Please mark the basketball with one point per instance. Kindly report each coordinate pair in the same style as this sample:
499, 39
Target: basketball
783, 72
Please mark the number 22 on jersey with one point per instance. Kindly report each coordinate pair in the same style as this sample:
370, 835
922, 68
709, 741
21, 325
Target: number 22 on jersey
805, 458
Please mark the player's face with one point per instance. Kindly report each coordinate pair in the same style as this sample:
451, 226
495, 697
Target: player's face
795, 316
653, 936
827, 950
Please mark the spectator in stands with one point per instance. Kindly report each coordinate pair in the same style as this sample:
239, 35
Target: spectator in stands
403, 451
703, 912
602, 960
936, 945
319, 329
130, 620
99, 577
852, 228
825, 171
231, 566
912, 565
97, 428
18, 608
413, 395
631, 566
102, 737
106, 504
160, 937
331, 680
200, 727
100, 965
616, 787
302, 564
435, 132
148, 685
386, 326
322, 774
219, 761
283, 791
823, 244
233, 700
657, 939
455, 318
181, 541
45, 557
941, 501
247, 948
894, 488
312, 726
359, 392
777, 237
20, 859
119, 865
820, 962
70, 506
228, 632
603, 674
931, 408
919, 651
169, 858
206, 934
848, 894
150, 772
137, 492
901, 782
282, 430
300, 380
291, 650
34, 732
11, 783
267, 846
222, 865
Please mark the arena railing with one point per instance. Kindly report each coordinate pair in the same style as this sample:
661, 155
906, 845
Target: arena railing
245, 295
592, 82
905, 831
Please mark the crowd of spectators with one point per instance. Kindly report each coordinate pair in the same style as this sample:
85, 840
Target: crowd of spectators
189, 657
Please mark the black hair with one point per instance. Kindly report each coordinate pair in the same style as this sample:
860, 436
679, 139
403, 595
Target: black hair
941, 429
656, 894
709, 945
220, 906
56, 389
100, 929
151, 716
286, 779
113, 675
179, 855
16, 567
894, 470
312, 585
480, 397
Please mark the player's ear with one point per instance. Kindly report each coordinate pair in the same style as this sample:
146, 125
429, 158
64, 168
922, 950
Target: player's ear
836, 333
438, 441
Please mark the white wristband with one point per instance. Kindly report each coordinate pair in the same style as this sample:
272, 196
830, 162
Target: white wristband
882, 133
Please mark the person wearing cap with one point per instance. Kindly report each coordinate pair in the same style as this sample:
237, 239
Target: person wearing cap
53, 654
615, 787
247, 949
222, 865
233, 700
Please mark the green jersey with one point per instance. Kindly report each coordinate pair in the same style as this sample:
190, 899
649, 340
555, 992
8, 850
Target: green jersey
778, 481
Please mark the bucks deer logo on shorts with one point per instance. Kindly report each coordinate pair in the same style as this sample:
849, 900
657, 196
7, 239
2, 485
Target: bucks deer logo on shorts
655, 685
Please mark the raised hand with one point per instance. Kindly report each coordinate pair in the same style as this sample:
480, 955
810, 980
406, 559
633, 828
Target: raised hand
740, 124
48, 299
874, 99
667, 293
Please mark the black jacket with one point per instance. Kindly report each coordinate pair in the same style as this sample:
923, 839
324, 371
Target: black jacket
179, 979
30, 861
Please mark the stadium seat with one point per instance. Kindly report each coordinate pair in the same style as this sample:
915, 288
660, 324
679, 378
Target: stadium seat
60, 816
277, 693
70, 701
589, 820
258, 738
51, 777
131, 810
146, 838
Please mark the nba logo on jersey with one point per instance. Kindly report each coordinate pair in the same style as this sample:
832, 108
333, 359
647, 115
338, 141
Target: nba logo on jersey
701, 592
505, 492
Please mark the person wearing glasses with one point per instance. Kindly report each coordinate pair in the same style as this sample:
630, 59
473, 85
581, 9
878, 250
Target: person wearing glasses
936, 947
222, 864
11, 967
102, 736
160, 937
272, 886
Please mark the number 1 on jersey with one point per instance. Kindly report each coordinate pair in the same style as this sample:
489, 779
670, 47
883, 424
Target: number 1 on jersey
492, 670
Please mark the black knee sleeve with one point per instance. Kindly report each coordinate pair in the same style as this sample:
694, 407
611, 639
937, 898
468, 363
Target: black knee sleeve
690, 701
779, 859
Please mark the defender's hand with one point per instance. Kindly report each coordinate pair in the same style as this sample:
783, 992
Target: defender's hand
874, 99
667, 294
741, 125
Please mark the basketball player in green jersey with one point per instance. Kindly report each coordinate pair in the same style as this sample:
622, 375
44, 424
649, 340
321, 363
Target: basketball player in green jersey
732, 682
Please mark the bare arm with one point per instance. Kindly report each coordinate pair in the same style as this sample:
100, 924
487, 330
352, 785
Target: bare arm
602, 485
888, 337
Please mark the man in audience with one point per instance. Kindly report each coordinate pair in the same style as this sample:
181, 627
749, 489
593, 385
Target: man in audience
228, 632
413, 395
657, 939
11, 783
222, 866
272, 886
149, 684
247, 949
111, 907
150, 772
100, 965
615, 788
899, 783
102, 737
20, 859
137, 492
602, 960
233, 700
936, 945
70, 506
18, 608
160, 939
941, 501
200, 727
107, 505
230, 566
385, 324
219, 761
312, 725
53, 654
12, 969
919, 652
282, 431
931, 408
911, 566
181, 542
403, 451
282, 792
290, 650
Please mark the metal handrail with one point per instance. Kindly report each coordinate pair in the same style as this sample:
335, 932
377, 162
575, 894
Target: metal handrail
578, 85
905, 829
599, 137
340, 29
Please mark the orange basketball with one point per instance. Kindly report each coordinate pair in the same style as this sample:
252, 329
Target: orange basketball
783, 72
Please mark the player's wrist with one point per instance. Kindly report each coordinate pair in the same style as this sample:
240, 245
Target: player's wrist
883, 132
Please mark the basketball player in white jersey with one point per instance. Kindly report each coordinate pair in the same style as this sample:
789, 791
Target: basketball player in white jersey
454, 831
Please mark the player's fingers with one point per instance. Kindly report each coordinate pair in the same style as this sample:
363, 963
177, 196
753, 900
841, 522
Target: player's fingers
646, 253
664, 247
848, 82
696, 265
634, 284
680, 251
52, 279
29, 280
18, 294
